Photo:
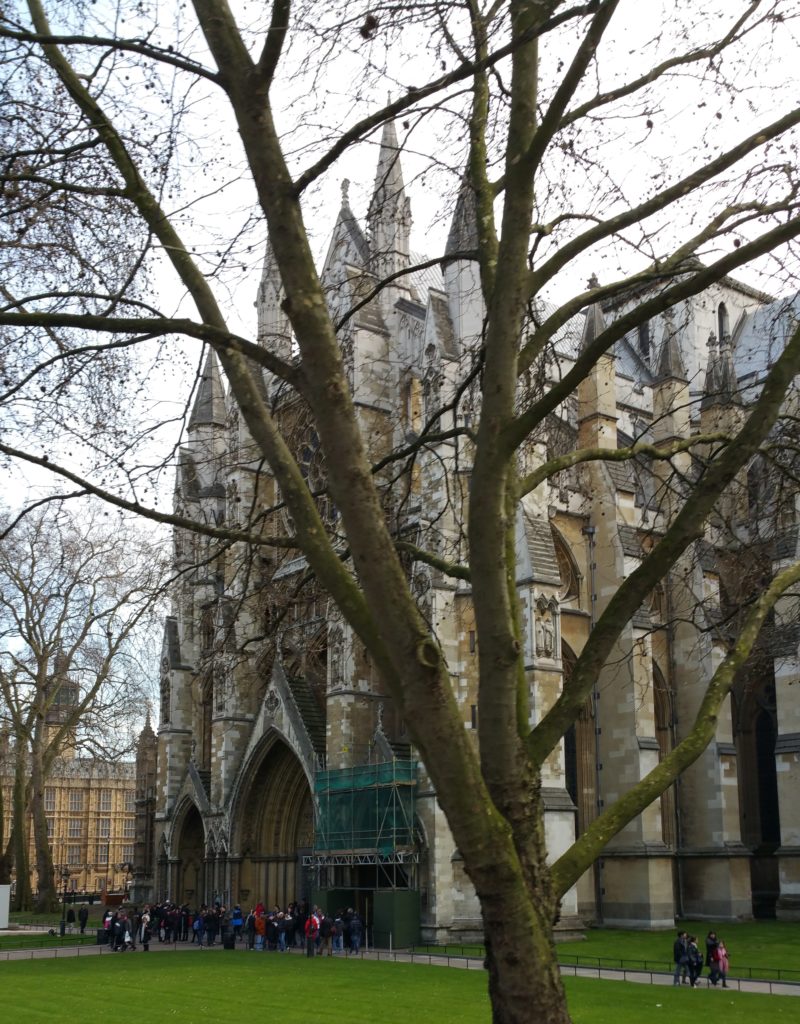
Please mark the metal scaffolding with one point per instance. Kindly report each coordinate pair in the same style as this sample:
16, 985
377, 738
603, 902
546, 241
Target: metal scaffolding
365, 817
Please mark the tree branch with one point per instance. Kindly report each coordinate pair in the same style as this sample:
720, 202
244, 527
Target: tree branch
571, 865
686, 527
582, 455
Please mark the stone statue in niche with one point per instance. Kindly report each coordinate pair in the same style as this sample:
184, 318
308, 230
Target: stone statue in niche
336, 643
545, 633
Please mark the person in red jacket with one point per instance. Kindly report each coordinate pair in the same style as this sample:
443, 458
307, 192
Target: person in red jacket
312, 933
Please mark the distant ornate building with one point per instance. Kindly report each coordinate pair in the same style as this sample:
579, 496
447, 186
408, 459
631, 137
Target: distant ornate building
91, 814
284, 769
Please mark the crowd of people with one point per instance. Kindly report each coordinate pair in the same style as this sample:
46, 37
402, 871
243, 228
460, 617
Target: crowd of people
297, 926
689, 960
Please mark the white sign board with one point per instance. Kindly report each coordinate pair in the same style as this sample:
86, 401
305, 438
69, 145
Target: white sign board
5, 902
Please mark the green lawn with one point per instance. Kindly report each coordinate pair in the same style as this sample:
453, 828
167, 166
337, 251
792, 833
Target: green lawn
209, 987
52, 920
28, 940
763, 946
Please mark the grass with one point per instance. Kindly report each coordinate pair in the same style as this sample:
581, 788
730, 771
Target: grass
35, 940
757, 948
201, 988
762, 945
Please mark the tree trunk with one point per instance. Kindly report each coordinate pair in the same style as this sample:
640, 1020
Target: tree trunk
47, 898
19, 837
524, 977
5, 855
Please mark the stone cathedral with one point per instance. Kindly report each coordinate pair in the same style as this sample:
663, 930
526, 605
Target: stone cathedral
282, 770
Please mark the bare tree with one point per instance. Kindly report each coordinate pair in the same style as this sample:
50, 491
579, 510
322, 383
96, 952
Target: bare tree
76, 602
563, 112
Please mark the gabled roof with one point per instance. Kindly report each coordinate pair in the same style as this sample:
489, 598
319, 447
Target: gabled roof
359, 285
540, 548
187, 481
347, 237
763, 336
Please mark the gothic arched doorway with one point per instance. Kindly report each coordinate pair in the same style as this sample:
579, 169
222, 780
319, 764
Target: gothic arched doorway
274, 827
189, 877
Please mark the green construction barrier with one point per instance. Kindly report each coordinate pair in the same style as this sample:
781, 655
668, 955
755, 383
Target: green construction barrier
395, 918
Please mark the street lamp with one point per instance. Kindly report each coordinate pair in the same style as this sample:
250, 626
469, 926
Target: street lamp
126, 870
62, 928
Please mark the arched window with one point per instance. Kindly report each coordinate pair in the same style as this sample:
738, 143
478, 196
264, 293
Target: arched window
723, 324
165, 699
568, 570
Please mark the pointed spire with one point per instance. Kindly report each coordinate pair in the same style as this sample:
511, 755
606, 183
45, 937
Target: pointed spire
721, 384
711, 387
595, 322
389, 186
209, 403
670, 364
463, 236
270, 275
274, 330
389, 216
147, 731
728, 379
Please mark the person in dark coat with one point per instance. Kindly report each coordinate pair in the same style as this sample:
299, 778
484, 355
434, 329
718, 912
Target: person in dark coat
83, 917
712, 943
680, 954
210, 927
356, 930
695, 961
326, 934
250, 929
70, 920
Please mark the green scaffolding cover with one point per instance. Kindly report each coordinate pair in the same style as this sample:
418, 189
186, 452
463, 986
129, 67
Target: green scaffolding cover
368, 807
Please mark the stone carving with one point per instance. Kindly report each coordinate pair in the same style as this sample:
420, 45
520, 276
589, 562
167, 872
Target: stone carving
272, 703
546, 629
336, 656
421, 586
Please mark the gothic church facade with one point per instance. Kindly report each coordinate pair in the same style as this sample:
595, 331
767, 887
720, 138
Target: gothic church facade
283, 769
